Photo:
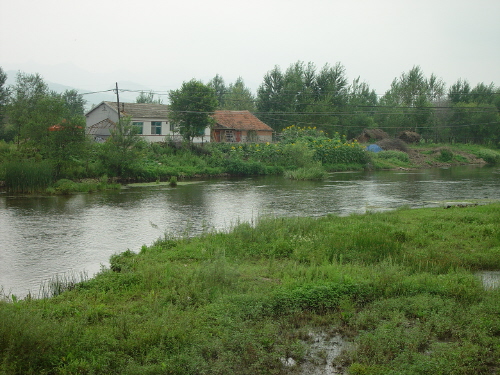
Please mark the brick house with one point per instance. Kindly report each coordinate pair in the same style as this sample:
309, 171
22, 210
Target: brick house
240, 126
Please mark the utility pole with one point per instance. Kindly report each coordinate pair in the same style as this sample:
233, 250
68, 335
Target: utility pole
117, 102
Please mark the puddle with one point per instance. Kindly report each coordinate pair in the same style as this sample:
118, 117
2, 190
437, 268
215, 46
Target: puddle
490, 279
320, 359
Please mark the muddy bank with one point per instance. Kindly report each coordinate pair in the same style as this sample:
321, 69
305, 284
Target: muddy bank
428, 157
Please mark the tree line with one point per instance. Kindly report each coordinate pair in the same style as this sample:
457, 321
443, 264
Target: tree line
304, 95
300, 95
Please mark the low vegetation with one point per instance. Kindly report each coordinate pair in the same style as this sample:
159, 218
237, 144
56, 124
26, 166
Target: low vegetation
301, 153
399, 286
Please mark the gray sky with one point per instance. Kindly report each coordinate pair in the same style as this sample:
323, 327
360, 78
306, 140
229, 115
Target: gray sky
161, 43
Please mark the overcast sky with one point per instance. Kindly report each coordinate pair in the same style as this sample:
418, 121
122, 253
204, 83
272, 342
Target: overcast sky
161, 43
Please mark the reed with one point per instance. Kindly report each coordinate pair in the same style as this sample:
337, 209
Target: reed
61, 283
315, 172
28, 176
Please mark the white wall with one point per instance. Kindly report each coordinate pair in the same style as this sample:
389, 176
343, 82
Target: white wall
103, 112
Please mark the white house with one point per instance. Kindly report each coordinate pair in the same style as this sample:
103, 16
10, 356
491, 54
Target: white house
150, 119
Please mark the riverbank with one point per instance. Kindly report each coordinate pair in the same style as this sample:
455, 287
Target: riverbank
250, 301
433, 156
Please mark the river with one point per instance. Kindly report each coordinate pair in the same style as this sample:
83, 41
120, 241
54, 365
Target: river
44, 236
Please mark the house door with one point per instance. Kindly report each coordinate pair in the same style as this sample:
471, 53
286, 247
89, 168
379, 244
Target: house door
229, 135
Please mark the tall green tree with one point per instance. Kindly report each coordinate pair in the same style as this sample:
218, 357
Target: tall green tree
74, 103
302, 96
33, 108
360, 108
238, 97
49, 122
191, 108
271, 99
4, 93
474, 114
27, 92
459, 92
148, 98
408, 104
475, 123
6, 133
483, 94
218, 84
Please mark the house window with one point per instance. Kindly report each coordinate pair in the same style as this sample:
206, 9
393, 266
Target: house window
138, 126
172, 127
156, 127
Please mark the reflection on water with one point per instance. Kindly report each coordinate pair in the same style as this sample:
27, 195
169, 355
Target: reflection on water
44, 236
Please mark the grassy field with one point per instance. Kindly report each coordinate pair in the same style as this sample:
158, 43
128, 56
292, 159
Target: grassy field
399, 287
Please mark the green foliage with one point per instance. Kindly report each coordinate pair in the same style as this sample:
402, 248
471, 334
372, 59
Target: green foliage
304, 91
121, 155
190, 108
148, 98
28, 176
238, 97
4, 96
314, 172
75, 105
491, 157
239, 302
445, 155
393, 154
389, 159
65, 186
173, 181
240, 167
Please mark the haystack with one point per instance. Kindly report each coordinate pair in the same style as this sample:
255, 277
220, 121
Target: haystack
371, 135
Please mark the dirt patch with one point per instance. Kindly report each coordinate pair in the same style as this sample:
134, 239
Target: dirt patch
321, 357
429, 157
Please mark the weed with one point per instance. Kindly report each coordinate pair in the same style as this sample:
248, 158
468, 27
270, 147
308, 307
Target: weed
398, 284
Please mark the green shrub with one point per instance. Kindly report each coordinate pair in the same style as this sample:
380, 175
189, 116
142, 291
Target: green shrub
243, 168
393, 154
315, 172
489, 156
445, 155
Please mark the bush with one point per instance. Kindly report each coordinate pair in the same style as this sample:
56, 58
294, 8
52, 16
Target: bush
393, 154
315, 172
445, 155
243, 168
489, 156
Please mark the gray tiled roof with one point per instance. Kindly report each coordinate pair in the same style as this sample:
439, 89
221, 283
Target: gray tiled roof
142, 110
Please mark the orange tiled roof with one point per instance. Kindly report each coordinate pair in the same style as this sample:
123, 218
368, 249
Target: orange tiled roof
239, 120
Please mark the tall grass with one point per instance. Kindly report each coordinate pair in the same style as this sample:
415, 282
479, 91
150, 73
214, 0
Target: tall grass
315, 172
398, 285
28, 176
61, 283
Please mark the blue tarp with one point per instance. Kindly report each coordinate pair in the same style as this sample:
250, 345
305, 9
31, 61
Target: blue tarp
373, 148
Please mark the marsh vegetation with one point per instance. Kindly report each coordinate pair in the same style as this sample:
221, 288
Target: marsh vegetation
240, 301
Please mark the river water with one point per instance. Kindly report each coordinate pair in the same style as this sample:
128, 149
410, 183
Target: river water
45, 236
